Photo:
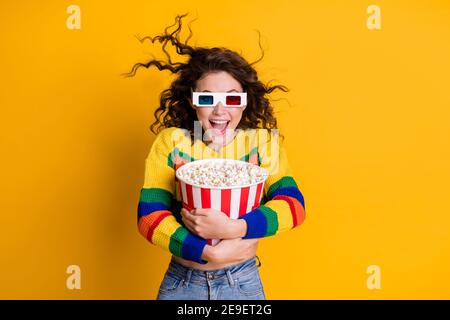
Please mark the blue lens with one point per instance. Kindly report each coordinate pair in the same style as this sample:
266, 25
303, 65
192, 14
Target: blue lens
205, 100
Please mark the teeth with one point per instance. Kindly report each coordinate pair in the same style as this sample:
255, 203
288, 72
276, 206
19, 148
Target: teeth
218, 122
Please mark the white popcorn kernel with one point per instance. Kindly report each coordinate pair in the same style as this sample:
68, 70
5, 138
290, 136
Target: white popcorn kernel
226, 173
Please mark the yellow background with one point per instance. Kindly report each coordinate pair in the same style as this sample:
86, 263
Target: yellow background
366, 123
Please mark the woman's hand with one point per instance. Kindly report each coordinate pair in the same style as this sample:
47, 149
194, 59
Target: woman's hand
213, 224
232, 251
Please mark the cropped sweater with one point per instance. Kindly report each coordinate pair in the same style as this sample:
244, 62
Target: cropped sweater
282, 205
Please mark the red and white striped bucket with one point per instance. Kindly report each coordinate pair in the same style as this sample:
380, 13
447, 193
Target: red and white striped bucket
233, 201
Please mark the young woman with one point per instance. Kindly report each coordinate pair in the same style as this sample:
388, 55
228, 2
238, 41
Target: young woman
227, 270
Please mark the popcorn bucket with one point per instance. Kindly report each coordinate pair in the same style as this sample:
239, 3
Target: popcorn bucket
234, 201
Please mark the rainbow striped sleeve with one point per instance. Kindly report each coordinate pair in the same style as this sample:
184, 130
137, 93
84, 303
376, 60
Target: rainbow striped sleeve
155, 220
284, 207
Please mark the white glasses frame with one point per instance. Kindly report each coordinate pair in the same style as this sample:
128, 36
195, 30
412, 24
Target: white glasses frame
219, 97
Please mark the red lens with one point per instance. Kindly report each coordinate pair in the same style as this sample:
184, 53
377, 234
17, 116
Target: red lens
233, 100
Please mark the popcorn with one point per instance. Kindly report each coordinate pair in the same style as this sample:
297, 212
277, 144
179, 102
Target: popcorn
221, 173
233, 187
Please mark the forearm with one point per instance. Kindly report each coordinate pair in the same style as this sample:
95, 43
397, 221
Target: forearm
165, 232
159, 226
280, 214
213, 224
208, 253
234, 229
237, 229
230, 251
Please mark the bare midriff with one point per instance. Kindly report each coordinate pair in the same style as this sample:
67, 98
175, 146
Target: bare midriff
211, 265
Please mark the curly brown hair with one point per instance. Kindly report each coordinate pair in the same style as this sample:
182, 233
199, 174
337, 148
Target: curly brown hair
175, 102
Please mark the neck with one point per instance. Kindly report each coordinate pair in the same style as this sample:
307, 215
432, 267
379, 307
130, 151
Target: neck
222, 141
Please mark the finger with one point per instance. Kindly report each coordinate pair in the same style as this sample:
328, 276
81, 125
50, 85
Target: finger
192, 228
183, 214
188, 216
200, 212
188, 225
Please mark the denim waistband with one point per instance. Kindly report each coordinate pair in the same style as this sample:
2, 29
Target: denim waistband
227, 274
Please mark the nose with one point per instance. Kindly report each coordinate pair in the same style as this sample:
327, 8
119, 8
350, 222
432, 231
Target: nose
219, 109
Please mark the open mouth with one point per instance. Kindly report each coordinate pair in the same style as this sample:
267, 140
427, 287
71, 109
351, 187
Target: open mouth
220, 125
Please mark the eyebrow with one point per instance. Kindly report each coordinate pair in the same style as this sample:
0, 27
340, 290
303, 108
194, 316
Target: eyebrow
227, 91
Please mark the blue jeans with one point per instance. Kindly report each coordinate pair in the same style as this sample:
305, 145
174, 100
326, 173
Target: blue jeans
237, 282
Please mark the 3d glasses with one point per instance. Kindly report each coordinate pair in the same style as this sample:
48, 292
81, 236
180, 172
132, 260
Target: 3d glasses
211, 99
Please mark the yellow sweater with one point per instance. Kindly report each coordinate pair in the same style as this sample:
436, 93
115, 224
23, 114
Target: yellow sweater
159, 221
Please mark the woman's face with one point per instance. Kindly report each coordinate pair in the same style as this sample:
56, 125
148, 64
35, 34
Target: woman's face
219, 121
